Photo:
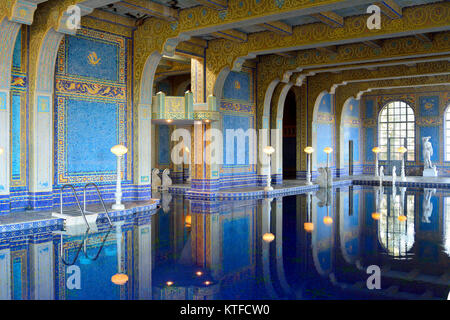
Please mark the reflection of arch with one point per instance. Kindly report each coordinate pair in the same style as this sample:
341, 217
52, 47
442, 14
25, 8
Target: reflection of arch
314, 129
396, 237
348, 235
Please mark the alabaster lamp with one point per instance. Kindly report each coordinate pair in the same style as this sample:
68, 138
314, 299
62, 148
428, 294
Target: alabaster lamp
402, 151
328, 150
1, 151
268, 236
119, 150
376, 150
309, 151
269, 150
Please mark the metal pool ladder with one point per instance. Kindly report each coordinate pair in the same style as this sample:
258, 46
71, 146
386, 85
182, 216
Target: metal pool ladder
91, 184
77, 200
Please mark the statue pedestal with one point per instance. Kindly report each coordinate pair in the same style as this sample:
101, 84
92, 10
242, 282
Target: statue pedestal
431, 172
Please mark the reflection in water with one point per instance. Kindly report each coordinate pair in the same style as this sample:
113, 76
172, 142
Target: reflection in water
311, 246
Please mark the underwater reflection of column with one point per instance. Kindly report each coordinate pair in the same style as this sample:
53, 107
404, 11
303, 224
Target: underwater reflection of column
279, 245
120, 278
42, 269
266, 206
145, 261
5, 274
308, 225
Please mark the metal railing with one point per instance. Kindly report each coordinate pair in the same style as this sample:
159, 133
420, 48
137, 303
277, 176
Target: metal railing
99, 196
77, 200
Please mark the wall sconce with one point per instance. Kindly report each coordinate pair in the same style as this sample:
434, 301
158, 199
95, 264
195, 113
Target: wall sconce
309, 151
119, 150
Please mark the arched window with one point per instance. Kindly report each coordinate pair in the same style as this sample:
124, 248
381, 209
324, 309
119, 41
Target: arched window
395, 129
447, 133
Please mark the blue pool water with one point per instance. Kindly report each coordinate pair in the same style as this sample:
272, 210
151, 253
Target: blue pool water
250, 249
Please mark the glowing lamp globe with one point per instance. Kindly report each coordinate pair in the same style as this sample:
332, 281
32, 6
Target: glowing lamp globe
169, 283
328, 150
119, 150
402, 149
120, 279
402, 218
207, 283
376, 150
169, 120
328, 220
199, 273
376, 216
309, 226
268, 237
188, 220
1, 151
309, 150
268, 150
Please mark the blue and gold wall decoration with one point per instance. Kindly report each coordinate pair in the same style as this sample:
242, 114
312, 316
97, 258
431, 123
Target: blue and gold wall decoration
92, 107
238, 110
429, 106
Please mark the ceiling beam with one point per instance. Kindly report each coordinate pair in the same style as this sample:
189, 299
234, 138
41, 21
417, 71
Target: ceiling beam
278, 27
375, 44
197, 42
328, 50
330, 18
214, 4
286, 54
233, 35
424, 37
390, 8
150, 8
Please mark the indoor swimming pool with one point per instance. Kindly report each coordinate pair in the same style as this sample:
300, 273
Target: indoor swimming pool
317, 245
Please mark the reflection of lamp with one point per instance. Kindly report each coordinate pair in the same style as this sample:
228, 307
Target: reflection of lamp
402, 150
308, 151
268, 150
308, 225
119, 278
169, 283
186, 149
376, 216
376, 150
188, 221
119, 150
327, 220
268, 237
402, 218
328, 150
169, 120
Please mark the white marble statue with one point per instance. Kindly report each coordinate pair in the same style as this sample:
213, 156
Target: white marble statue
427, 150
322, 179
427, 206
156, 180
165, 202
166, 181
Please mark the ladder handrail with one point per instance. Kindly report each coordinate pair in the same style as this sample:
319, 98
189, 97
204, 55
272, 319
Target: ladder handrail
101, 200
77, 200
61, 251
101, 247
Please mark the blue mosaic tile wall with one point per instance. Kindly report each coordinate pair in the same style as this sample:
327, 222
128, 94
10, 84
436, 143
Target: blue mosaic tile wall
238, 110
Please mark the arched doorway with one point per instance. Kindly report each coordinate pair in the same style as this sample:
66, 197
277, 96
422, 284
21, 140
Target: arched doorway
289, 136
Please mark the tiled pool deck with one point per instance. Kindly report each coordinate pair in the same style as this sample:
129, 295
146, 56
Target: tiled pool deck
25, 222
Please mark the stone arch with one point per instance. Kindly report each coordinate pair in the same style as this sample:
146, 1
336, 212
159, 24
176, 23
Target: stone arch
8, 34
314, 129
220, 82
181, 89
345, 122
